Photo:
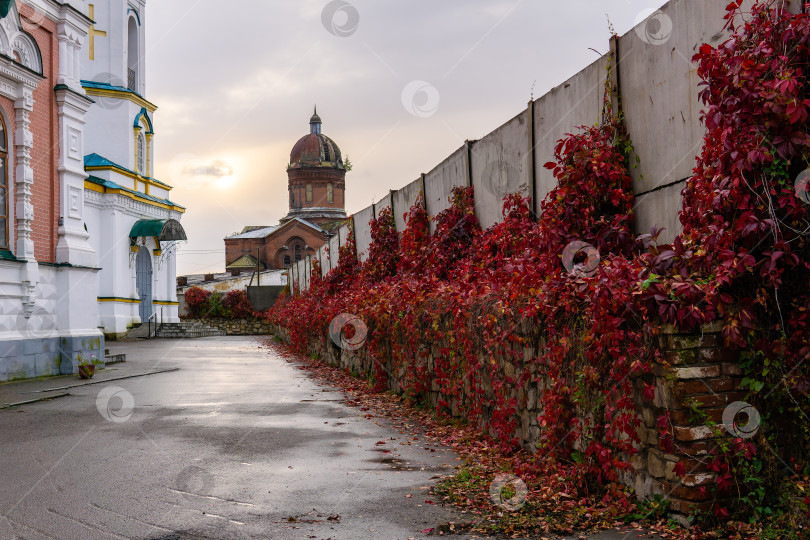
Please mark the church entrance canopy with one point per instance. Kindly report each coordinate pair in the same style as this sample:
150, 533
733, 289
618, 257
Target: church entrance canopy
165, 230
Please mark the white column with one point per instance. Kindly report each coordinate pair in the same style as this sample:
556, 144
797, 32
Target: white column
24, 174
78, 46
172, 273
73, 246
24, 207
157, 276
63, 75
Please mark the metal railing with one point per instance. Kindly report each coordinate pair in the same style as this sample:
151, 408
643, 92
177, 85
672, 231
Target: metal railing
132, 80
152, 322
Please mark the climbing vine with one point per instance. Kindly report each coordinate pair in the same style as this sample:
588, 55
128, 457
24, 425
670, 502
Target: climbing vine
466, 316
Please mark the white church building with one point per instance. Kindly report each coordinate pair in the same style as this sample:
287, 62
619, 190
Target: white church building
137, 224
87, 234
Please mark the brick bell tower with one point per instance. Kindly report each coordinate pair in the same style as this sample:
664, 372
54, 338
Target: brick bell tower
316, 177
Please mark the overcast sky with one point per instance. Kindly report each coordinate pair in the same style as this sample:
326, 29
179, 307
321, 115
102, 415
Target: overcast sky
235, 83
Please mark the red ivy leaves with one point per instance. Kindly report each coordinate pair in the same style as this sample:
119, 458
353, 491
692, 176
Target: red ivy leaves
472, 302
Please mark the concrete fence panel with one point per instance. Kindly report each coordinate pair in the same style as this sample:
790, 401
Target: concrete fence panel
293, 272
343, 235
439, 183
500, 166
299, 271
402, 201
576, 102
362, 231
660, 209
307, 272
334, 251
659, 85
385, 202
323, 259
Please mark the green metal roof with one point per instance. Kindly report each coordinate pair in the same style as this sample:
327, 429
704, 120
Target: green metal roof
95, 160
166, 230
245, 261
5, 7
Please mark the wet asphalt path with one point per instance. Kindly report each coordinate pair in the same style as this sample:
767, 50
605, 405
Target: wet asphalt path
236, 444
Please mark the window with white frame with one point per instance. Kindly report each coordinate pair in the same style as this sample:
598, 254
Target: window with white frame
142, 154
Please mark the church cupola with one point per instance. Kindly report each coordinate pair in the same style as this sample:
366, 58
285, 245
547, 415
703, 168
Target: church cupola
316, 149
316, 177
315, 123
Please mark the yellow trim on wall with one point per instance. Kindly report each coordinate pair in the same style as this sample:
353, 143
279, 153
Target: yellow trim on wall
165, 303
134, 98
134, 177
119, 300
101, 189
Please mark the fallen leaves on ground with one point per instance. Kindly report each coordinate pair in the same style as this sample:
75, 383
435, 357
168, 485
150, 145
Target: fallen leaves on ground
550, 507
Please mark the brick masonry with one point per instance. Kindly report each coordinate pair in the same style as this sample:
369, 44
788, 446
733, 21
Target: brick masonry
271, 248
695, 380
45, 129
319, 179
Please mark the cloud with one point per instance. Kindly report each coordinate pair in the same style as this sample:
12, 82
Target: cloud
216, 169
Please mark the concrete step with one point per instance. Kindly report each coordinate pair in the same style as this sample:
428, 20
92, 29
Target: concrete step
187, 329
114, 358
139, 332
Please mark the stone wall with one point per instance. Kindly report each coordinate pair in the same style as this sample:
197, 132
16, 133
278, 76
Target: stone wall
240, 327
696, 381
695, 372
42, 357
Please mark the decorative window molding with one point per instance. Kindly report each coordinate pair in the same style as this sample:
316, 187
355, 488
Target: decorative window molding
141, 157
17, 43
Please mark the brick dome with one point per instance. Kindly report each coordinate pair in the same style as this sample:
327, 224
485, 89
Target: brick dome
316, 178
316, 149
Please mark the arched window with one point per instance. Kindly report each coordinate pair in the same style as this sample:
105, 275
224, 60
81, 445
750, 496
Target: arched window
309, 192
330, 196
133, 54
142, 154
3, 186
297, 250
287, 260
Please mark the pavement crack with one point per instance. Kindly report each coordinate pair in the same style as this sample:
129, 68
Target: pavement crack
208, 514
18, 524
85, 523
210, 497
142, 522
